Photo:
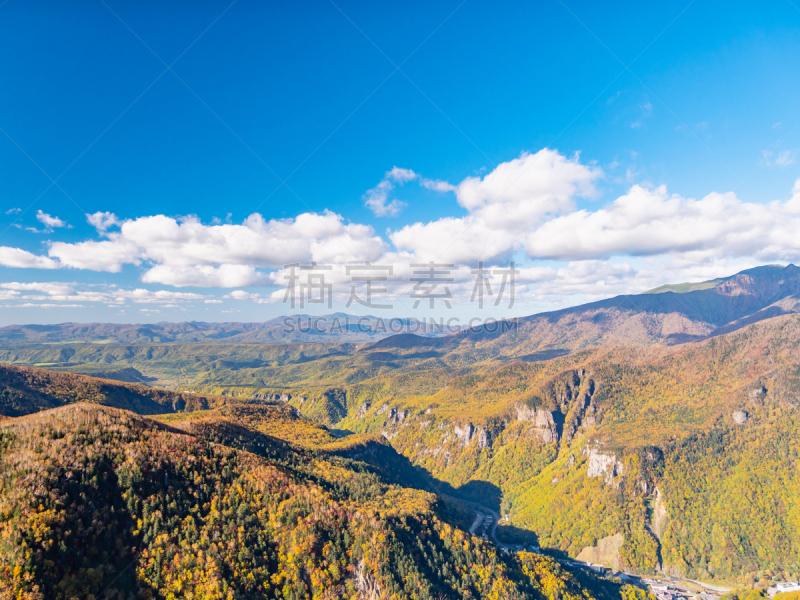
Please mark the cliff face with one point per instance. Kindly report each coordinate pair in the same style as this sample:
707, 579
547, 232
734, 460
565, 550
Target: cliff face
603, 464
543, 423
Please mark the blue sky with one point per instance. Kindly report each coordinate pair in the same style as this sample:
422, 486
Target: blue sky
291, 109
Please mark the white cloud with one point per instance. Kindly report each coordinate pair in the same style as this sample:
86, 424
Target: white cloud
49, 221
53, 288
437, 185
652, 222
523, 191
241, 295
13, 211
140, 295
22, 259
515, 197
646, 237
102, 221
186, 252
225, 276
50, 291
48, 305
376, 199
108, 256
782, 159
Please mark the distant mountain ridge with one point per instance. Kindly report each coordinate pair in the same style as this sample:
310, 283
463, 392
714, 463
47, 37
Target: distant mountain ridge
670, 314
336, 327
663, 316
703, 310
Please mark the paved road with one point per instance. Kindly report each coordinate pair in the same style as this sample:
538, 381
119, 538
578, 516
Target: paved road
481, 511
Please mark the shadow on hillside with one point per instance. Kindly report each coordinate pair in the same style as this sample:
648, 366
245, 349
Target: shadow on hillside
509, 534
340, 433
481, 492
542, 355
395, 468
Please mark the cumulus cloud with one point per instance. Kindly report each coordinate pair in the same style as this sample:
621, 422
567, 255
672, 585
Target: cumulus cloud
52, 288
102, 221
22, 259
515, 197
377, 199
225, 276
49, 221
106, 255
13, 211
651, 221
526, 206
140, 295
187, 252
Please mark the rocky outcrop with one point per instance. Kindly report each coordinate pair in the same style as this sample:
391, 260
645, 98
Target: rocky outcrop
739, 417
603, 464
659, 515
543, 423
397, 416
483, 439
464, 433
584, 411
468, 432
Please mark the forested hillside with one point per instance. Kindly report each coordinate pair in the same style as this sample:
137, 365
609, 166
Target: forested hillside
682, 459
101, 503
24, 391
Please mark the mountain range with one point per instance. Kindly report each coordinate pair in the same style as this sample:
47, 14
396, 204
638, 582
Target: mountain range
654, 433
668, 314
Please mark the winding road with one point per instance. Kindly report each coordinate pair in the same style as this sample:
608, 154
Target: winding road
480, 512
